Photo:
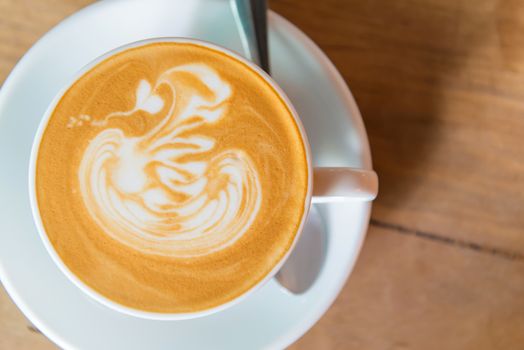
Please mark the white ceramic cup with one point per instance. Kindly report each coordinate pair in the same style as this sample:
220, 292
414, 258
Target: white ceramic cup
324, 185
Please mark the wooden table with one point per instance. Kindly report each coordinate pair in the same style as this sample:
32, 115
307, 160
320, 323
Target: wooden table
441, 87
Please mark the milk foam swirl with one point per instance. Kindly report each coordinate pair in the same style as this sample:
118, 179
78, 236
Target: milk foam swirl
144, 192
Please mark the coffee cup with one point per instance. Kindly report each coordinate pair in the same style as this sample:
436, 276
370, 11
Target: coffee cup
171, 178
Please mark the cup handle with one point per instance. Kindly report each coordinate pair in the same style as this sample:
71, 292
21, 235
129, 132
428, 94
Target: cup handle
344, 184
313, 256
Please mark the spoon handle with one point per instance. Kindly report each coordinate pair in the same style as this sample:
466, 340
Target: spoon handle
259, 8
251, 16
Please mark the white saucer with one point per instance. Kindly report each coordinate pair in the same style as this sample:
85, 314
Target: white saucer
270, 318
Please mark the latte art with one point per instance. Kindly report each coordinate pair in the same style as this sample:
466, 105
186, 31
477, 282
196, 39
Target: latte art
171, 177
139, 191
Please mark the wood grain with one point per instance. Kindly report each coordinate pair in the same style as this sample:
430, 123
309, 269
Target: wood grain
412, 293
441, 87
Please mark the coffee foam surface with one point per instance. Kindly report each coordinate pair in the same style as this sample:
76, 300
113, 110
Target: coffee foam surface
171, 178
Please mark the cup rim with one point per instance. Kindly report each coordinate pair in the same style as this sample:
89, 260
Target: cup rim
86, 289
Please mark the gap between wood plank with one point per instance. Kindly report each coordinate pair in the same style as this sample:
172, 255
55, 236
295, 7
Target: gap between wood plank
459, 243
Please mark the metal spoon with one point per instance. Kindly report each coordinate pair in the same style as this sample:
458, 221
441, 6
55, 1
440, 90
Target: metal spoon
303, 266
251, 17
